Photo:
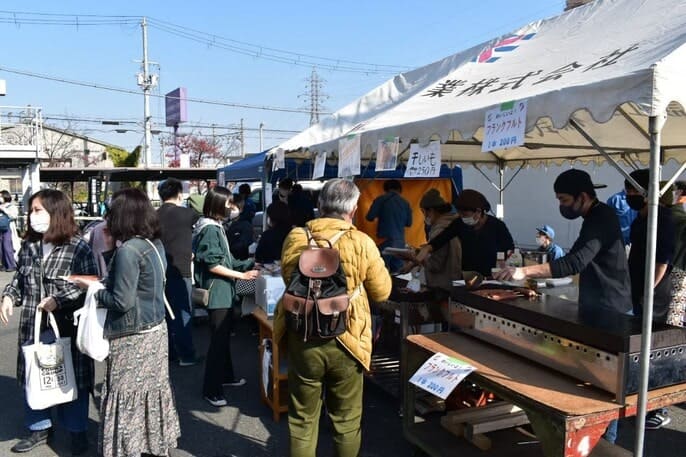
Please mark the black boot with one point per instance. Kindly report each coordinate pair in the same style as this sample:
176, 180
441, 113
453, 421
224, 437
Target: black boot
79, 443
34, 439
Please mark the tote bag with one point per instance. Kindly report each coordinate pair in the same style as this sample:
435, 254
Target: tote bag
49, 369
90, 335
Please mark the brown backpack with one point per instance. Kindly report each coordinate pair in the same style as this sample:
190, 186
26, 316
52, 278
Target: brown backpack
316, 300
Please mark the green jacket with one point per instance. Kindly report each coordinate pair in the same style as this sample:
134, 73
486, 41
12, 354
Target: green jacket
210, 249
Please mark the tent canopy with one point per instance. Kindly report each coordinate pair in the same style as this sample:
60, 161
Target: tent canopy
252, 169
603, 68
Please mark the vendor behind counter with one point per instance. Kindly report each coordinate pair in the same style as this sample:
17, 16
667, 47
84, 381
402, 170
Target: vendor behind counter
481, 234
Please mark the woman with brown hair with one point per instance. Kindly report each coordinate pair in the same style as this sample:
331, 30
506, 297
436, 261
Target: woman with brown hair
216, 270
137, 411
52, 250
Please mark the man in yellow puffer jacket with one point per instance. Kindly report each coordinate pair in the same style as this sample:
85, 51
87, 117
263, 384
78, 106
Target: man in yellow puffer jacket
334, 366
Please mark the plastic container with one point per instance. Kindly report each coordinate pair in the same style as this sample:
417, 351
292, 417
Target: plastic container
516, 260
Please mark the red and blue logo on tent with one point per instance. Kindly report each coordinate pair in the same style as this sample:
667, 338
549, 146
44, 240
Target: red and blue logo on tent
491, 54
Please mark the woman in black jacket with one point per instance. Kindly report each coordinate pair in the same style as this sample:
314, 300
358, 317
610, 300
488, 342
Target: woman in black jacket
271, 242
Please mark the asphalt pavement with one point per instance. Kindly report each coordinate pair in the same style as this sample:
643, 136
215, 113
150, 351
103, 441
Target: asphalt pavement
245, 427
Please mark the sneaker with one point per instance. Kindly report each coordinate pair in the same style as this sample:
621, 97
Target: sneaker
657, 419
235, 383
190, 362
36, 438
216, 400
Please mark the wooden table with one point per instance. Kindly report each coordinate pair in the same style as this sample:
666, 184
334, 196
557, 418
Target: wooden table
569, 418
274, 395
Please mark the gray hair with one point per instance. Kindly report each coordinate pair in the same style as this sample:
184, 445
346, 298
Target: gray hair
338, 197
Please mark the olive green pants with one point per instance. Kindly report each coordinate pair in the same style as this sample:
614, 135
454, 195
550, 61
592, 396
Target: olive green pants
323, 371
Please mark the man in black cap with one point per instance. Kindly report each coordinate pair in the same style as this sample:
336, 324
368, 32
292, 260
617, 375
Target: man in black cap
598, 254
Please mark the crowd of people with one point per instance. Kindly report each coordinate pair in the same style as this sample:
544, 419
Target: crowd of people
145, 258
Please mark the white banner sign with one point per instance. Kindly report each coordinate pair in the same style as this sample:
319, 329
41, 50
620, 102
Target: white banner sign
387, 154
441, 374
424, 161
349, 156
504, 126
279, 160
319, 165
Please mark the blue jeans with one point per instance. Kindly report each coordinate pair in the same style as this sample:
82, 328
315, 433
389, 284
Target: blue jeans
7, 250
178, 292
73, 415
611, 432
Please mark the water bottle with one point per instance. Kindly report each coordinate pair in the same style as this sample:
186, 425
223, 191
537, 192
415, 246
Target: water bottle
271, 305
515, 260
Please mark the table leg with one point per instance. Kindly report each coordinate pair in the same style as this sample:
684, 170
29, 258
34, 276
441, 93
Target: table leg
575, 437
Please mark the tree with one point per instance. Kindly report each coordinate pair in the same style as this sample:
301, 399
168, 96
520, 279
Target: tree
124, 159
204, 150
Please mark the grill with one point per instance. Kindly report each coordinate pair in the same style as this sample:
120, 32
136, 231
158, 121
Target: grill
598, 347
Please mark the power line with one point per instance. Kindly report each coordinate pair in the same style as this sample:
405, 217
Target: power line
131, 121
208, 39
134, 92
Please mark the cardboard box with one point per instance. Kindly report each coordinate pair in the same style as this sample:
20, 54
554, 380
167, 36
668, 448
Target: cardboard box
268, 291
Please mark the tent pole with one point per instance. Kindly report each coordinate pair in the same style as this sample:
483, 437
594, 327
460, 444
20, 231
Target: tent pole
500, 213
671, 181
654, 127
604, 153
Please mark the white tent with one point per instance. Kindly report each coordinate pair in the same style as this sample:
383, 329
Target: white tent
607, 66
600, 81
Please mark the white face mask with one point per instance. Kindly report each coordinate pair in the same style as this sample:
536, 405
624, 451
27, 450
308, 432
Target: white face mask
540, 241
471, 221
234, 214
40, 222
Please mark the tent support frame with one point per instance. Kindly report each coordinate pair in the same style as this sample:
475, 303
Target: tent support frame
605, 154
655, 125
502, 185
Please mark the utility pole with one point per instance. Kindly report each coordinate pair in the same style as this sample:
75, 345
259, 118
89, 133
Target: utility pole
146, 81
242, 137
315, 96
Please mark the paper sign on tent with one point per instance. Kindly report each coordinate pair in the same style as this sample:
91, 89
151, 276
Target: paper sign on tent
387, 154
424, 161
279, 160
349, 156
319, 165
504, 126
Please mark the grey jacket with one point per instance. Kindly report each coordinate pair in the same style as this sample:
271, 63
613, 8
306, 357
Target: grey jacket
134, 288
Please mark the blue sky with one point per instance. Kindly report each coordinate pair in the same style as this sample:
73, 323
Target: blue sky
399, 33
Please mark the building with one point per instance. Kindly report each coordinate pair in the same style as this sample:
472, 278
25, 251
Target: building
26, 143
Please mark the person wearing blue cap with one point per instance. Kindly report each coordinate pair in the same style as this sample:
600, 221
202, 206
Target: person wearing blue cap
544, 239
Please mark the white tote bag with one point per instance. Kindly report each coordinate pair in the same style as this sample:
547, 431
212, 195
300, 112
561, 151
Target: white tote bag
90, 338
49, 368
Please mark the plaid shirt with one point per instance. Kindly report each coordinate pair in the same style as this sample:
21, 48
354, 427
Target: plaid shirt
74, 257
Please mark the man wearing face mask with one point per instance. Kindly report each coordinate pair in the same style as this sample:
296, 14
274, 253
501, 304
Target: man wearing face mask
598, 254
664, 252
239, 228
482, 235
544, 239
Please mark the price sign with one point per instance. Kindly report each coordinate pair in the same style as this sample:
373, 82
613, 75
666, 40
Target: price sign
504, 126
441, 374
